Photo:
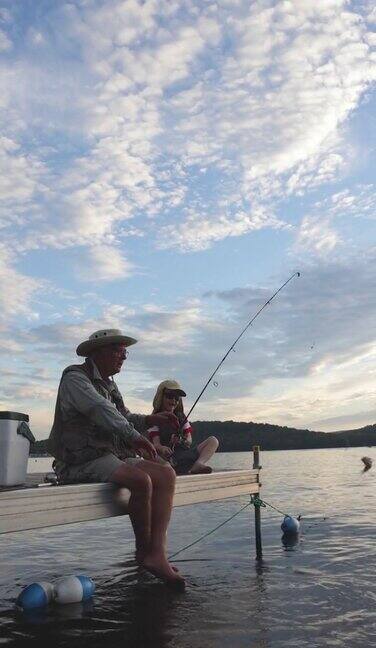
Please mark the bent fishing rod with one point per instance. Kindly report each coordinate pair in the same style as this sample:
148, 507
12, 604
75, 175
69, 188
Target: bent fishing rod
186, 417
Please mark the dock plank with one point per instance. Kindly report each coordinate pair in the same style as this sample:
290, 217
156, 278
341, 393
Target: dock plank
29, 508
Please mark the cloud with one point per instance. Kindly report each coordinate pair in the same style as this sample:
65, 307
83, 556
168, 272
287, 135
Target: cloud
359, 202
346, 422
103, 263
16, 289
316, 171
166, 332
198, 233
29, 392
319, 232
160, 331
142, 139
20, 180
115, 177
5, 42
316, 233
5, 15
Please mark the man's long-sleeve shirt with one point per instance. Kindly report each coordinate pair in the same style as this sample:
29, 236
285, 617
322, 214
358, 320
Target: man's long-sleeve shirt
77, 394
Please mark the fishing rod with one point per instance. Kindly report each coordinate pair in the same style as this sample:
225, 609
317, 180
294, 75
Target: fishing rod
186, 417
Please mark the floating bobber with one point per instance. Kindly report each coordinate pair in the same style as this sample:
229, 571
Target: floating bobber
290, 525
36, 595
73, 589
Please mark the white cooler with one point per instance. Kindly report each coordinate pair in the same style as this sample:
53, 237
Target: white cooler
15, 438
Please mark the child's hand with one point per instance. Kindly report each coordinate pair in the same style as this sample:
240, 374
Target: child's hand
164, 451
175, 439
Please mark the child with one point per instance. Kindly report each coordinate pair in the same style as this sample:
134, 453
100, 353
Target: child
177, 448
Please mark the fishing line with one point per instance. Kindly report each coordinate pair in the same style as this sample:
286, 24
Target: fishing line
296, 274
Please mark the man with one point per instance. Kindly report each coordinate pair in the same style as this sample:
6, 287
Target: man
94, 437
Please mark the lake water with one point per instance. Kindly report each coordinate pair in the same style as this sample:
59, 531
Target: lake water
320, 592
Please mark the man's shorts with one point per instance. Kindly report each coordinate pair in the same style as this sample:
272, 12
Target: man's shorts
97, 470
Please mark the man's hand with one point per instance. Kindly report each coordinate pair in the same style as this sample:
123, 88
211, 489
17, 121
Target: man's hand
143, 445
163, 418
164, 451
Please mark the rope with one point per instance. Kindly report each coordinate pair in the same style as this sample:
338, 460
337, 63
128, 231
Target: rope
257, 501
209, 532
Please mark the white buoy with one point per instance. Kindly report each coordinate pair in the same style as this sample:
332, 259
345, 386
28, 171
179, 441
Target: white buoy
73, 589
36, 595
290, 525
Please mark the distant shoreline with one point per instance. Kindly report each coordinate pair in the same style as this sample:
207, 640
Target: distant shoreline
236, 436
34, 456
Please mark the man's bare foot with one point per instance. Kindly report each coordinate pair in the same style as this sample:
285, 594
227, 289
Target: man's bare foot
140, 556
159, 566
200, 469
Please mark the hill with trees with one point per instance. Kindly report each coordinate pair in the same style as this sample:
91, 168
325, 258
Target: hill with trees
236, 436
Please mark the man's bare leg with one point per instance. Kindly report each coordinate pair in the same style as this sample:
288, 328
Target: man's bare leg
152, 486
139, 506
163, 480
206, 450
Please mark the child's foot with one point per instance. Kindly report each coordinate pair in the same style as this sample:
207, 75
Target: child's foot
201, 468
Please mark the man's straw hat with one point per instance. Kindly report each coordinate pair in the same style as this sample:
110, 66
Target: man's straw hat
103, 338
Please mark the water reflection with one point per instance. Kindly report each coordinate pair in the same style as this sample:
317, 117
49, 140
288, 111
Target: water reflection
290, 541
55, 612
34, 617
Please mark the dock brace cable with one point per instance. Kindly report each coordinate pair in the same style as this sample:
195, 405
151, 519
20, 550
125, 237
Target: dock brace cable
210, 532
257, 501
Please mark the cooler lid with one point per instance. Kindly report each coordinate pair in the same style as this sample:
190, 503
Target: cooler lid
14, 416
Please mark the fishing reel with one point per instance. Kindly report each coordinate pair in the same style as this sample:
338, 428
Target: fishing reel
182, 443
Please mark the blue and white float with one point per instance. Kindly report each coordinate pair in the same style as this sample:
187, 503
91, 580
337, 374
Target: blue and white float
36, 595
73, 589
290, 525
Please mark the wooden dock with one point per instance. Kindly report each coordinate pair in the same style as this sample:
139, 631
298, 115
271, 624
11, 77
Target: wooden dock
41, 505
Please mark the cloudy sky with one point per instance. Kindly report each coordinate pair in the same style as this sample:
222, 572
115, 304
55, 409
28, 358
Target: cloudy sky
164, 167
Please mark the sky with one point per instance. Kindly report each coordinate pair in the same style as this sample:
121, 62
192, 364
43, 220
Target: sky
165, 166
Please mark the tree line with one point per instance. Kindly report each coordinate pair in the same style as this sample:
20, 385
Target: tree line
236, 436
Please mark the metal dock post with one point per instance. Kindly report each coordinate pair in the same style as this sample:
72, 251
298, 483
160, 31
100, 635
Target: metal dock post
256, 466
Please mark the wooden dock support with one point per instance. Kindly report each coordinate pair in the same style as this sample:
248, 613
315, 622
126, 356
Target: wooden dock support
256, 466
